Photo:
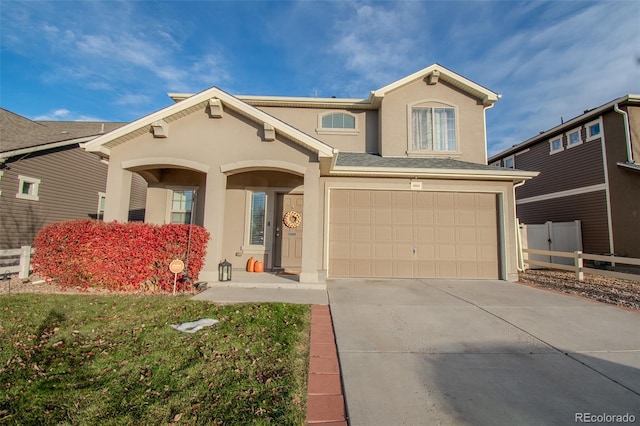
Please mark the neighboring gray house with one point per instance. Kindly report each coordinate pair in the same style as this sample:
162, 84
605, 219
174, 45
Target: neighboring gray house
46, 177
589, 171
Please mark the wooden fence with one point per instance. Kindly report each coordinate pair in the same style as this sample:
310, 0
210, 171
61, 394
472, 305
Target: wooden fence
578, 266
9, 258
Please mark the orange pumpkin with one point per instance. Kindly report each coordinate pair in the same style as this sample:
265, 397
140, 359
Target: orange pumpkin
258, 267
251, 264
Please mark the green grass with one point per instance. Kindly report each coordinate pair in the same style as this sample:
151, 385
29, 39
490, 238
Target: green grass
86, 360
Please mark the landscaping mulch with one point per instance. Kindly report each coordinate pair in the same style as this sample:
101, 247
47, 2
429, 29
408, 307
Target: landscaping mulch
615, 291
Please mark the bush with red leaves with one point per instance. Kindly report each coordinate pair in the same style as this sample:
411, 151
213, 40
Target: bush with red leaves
118, 256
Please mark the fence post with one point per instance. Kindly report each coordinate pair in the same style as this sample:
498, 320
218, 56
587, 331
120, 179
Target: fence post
25, 262
579, 265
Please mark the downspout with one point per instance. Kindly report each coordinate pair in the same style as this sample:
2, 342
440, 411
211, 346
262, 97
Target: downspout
627, 135
519, 257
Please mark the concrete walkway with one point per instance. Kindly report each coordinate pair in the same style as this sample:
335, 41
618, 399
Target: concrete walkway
264, 287
427, 352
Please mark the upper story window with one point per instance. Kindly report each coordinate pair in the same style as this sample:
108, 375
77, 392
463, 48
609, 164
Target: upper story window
555, 145
594, 130
337, 122
28, 188
574, 137
433, 129
509, 162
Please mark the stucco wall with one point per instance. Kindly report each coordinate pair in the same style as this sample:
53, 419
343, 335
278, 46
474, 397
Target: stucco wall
395, 138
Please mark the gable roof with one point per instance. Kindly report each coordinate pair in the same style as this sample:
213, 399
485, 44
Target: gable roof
103, 144
587, 116
487, 96
20, 135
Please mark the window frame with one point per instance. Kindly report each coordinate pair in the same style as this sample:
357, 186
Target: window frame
589, 137
573, 132
100, 212
555, 151
513, 162
433, 104
34, 193
247, 246
320, 129
170, 210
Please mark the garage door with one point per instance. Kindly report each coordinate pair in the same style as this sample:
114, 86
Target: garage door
412, 234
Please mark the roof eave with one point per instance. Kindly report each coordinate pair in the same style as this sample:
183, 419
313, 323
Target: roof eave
433, 173
81, 141
561, 127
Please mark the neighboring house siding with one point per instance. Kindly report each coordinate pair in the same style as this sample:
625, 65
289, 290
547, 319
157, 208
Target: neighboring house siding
590, 209
70, 181
137, 199
577, 167
624, 186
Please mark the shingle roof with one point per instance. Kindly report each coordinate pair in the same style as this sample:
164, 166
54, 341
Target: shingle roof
18, 132
359, 159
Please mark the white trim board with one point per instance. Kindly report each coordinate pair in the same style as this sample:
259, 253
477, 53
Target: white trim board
561, 194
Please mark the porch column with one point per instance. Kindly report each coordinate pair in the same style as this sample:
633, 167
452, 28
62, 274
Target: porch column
118, 193
310, 234
156, 206
214, 199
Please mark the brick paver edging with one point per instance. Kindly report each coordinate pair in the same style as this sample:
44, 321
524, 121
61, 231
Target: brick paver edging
325, 401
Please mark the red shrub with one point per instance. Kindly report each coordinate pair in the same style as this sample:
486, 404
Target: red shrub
118, 256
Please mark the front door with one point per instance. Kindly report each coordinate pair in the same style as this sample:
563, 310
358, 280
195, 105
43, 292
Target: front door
289, 223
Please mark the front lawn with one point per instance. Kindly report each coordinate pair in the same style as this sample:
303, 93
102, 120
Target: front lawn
81, 359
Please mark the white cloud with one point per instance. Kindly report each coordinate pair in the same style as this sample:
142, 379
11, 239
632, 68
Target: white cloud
63, 114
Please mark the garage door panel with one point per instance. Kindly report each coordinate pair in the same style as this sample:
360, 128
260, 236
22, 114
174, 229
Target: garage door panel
361, 215
340, 232
382, 251
383, 268
403, 217
445, 217
382, 216
403, 269
413, 234
361, 268
425, 251
382, 233
424, 217
361, 233
403, 251
403, 234
360, 250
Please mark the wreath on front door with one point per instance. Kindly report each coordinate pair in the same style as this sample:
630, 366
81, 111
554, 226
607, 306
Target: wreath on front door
292, 219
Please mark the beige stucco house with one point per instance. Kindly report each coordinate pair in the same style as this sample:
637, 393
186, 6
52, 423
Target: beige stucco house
394, 185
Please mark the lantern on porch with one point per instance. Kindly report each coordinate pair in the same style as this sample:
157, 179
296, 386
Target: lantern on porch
224, 271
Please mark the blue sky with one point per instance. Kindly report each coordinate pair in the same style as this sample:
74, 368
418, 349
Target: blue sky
115, 61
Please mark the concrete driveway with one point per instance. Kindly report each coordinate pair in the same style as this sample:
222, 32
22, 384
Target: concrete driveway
429, 352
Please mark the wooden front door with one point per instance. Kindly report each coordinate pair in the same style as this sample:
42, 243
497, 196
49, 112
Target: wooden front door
290, 222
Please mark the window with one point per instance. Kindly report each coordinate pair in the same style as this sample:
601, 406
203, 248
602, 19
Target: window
257, 218
509, 162
101, 199
594, 130
433, 129
28, 188
181, 206
574, 138
556, 145
338, 121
